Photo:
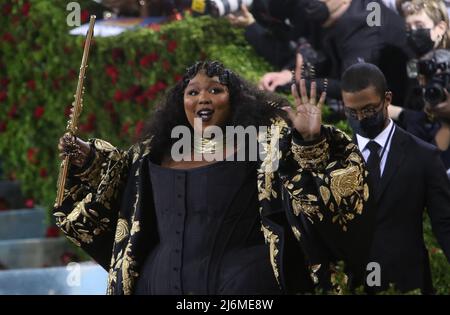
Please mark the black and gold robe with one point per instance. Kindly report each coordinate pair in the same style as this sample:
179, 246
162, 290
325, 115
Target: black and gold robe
312, 206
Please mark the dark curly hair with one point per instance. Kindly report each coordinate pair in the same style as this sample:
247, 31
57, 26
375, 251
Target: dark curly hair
249, 106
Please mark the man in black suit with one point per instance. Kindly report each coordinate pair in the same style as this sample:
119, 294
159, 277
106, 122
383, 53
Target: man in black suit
407, 176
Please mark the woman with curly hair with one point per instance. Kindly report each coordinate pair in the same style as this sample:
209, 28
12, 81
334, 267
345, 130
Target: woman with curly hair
162, 225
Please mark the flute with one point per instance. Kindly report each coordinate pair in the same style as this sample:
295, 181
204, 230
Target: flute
77, 105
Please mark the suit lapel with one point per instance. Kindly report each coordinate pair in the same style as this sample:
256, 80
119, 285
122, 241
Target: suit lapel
394, 159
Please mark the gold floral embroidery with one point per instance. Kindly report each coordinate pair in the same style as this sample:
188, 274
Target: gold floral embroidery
314, 269
325, 194
121, 231
135, 227
128, 274
269, 144
307, 205
297, 233
344, 182
311, 157
79, 209
273, 240
366, 192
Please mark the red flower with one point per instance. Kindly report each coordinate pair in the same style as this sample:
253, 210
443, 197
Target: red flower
7, 37
140, 99
43, 172
31, 85
52, 231
31, 155
118, 96
160, 86
29, 203
84, 16
3, 96
112, 72
139, 128
171, 46
148, 59
26, 8
177, 77
38, 112
3, 126
4, 82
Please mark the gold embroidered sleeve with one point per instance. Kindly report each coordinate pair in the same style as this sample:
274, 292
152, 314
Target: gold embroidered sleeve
89, 212
331, 182
311, 157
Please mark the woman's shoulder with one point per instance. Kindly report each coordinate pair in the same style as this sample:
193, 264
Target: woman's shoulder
140, 149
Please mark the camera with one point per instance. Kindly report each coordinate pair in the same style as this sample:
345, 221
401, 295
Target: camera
438, 80
218, 8
434, 92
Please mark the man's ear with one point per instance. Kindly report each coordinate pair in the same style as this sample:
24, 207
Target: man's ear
388, 98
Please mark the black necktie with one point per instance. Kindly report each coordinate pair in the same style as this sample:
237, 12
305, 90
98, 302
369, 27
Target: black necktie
373, 163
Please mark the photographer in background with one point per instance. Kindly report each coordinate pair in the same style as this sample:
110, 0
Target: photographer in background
273, 28
427, 25
346, 39
432, 124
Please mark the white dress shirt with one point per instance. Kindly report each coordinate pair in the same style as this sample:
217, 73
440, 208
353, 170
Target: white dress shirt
382, 140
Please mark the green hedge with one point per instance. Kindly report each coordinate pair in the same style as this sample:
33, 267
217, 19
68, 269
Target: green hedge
39, 66
126, 75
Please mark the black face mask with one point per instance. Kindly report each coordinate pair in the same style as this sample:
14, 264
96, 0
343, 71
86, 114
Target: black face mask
369, 127
420, 41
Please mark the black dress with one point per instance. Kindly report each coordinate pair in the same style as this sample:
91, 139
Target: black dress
210, 233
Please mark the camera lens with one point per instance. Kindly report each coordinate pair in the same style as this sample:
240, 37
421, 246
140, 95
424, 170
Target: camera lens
434, 95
